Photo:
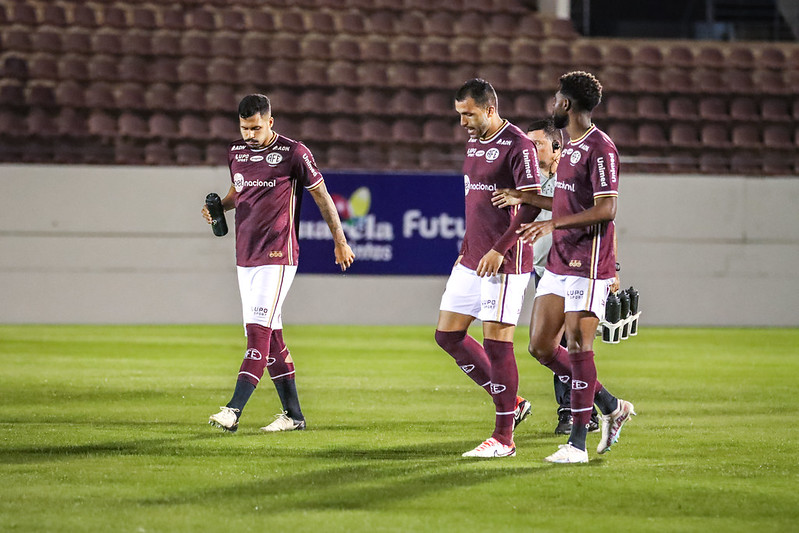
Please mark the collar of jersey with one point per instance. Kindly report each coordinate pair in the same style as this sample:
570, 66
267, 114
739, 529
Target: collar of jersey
584, 135
500, 130
268, 146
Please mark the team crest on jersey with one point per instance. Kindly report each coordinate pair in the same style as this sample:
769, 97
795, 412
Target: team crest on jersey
575, 158
274, 158
238, 182
253, 355
492, 154
575, 263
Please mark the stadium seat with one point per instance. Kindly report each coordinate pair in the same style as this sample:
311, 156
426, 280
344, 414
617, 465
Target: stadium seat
373, 101
402, 157
232, 20
525, 52
189, 154
71, 123
323, 130
106, 68
684, 136
738, 81
372, 157
36, 122
76, 40
498, 75
470, 25
380, 23
741, 58
350, 23
403, 76
648, 56
375, 49
84, 16
652, 135
405, 103
128, 152
15, 67
23, 13
216, 154
143, 18
162, 126
715, 136
495, 51
373, 75
775, 110
713, 108
47, 40
160, 96
158, 153
560, 29
709, 81
679, 56
114, 17
135, 69
438, 103
102, 124
464, 49
746, 163
710, 57
375, 130
439, 24
714, 163
130, 96
771, 58
404, 131
190, 97
222, 70
340, 100
343, 73
346, 48
615, 80
587, 55
107, 42
623, 134
200, 19
16, 39
260, 21
405, 49
133, 125
617, 55
42, 67
226, 44
435, 50
279, 72
316, 46
744, 108
411, 24
313, 73
778, 164
530, 106
777, 137
746, 136
221, 97
556, 53
775, 82
651, 107
195, 43
223, 127
192, 126
620, 106
100, 95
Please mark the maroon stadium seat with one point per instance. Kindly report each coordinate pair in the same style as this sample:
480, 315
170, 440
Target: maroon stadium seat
223, 127
17, 39
648, 56
173, 18
651, 107
620, 106
373, 75
684, 136
165, 43
162, 126
740, 57
405, 49
105, 68
652, 135
623, 134
775, 82
709, 81
530, 106
114, 17
201, 19
560, 29
102, 124
778, 136
221, 97
714, 163
316, 46
617, 55
313, 73
232, 20
47, 40
195, 43
340, 101
405, 103
133, 125
375, 130
746, 136
54, 15
351, 23
129, 151
375, 48
84, 15
160, 96
71, 123
346, 48
780, 164
403, 76
69, 94
343, 73
435, 50
380, 23
433, 76
771, 58
470, 25
107, 42
222, 70
322, 22
15, 67
226, 44
411, 24
158, 153
775, 110
135, 69
738, 81
437, 131
373, 101
73, 68
710, 57
588, 55
143, 18
192, 126
439, 24
216, 154
744, 108
679, 56
190, 97
76, 40
36, 122
23, 13
713, 108
746, 163
100, 95
42, 67
556, 53
715, 136
438, 103
131, 96
406, 131
189, 154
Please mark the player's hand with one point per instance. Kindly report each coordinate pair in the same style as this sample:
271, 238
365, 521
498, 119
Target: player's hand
490, 264
207, 215
344, 255
506, 198
532, 231
616, 285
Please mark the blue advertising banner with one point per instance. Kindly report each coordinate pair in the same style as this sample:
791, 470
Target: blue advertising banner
408, 224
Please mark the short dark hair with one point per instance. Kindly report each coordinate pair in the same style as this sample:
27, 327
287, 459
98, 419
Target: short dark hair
478, 90
547, 125
582, 88
253, 104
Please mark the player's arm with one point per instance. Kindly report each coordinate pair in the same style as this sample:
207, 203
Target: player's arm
228, 203
491, 262
343, 252
603, 210
510, 197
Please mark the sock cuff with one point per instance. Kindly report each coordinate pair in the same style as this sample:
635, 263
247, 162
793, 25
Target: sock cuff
451, 336
497, 344
582, 356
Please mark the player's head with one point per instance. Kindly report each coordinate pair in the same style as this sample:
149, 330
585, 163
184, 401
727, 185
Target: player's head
476, 103
548, 142
255, 120
579, 92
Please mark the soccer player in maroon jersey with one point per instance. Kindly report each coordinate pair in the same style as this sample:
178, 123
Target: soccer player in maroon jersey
581, 266
491, 274
268, 173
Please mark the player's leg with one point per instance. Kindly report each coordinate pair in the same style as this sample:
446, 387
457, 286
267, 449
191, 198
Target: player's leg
580, 340
501, 302
460, 305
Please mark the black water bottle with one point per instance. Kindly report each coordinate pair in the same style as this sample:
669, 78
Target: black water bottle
218, 223
624, 299
633, 294
612, 316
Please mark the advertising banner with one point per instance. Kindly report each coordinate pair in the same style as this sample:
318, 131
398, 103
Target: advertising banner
399, 224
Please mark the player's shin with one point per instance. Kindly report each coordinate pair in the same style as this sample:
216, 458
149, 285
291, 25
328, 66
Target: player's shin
253, 365
281, 370
582, 397
469, 355
504, 386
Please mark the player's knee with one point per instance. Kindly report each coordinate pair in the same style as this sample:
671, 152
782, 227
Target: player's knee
448, 339
541, 351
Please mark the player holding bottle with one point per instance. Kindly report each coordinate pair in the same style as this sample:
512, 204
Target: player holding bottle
268, 173
581, 266
491, 274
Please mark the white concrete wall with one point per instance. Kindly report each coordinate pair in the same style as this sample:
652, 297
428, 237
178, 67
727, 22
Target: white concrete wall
128, 245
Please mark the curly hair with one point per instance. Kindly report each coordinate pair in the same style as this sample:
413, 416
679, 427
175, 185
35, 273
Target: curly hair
582, 88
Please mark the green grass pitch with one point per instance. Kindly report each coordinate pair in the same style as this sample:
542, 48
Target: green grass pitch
105, 429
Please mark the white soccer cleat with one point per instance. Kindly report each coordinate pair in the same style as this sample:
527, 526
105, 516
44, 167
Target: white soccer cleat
227, 419
612, 424
283, 422
568, 454
492, 448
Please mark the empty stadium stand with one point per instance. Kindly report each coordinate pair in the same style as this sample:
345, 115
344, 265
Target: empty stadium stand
368, 84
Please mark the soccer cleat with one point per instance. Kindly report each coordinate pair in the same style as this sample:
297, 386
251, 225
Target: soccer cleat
612, 424
227, 419
492, 448
283, 422
593, 423
521, 412
564, 421
568, 454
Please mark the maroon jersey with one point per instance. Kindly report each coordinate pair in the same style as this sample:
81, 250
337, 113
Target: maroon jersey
508, 160
588, 169
269, 182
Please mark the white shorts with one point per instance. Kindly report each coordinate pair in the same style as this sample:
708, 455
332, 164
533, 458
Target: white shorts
579, 294
263, 290
490, 299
